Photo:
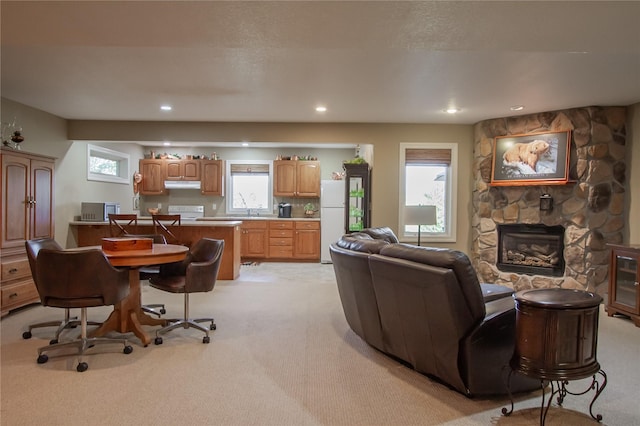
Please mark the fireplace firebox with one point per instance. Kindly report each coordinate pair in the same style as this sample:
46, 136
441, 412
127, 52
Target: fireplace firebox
532, 249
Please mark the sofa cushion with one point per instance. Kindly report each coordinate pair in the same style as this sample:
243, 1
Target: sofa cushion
445, 258
382, 233
361, 242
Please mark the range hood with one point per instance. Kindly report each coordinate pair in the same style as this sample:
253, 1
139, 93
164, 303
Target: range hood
182, 184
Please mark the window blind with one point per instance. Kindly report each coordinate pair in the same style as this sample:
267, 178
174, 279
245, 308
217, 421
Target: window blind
421, 156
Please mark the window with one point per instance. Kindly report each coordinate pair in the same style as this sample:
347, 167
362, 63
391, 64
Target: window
249, 183
107, 165
428, 177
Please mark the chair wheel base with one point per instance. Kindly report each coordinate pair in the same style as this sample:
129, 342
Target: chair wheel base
163, 311
127, 349
42, 359
206, 339
83, 366
213, 326
158, 341
26, 335
53, 341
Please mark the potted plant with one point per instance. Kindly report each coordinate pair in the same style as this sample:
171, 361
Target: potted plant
309, 209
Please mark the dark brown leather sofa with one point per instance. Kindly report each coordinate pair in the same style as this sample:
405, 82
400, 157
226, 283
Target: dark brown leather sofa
425, 307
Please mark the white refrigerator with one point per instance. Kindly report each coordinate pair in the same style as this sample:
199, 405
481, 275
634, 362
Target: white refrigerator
332, 199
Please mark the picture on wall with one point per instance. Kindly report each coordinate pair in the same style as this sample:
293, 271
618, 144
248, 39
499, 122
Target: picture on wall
531, 159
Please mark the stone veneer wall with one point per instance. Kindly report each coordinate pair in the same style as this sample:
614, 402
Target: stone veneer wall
591, 207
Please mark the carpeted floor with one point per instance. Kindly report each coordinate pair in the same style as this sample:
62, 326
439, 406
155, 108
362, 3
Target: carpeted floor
282, 355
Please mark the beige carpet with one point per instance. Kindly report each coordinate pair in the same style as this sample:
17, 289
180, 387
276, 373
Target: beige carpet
282, 355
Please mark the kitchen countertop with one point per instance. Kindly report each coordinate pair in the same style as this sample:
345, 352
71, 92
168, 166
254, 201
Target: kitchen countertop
217, 218
144, 221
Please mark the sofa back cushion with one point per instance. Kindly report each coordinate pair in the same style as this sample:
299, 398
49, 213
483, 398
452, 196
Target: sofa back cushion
361, 242
455, 260
382, 233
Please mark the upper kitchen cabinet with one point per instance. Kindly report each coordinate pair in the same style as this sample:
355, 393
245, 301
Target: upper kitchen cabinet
296, 178
212, 182
152, 177
182, 170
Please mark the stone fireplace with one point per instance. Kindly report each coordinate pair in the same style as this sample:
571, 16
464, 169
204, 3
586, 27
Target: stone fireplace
531, 249
589, 209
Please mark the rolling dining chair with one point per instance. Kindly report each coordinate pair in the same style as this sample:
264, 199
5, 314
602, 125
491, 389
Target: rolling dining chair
33, 247
169, 226
121, 225
197, 273
79, 279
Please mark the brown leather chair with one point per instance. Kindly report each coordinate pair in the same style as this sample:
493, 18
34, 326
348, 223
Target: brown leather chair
197, 273
122, 225
79, 279
168, 225
33, 247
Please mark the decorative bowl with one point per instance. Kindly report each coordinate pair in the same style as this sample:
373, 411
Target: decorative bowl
153, 211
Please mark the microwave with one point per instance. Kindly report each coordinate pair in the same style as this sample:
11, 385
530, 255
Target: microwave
98, 212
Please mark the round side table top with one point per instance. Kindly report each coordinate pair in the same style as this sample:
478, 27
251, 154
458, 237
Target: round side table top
558, 298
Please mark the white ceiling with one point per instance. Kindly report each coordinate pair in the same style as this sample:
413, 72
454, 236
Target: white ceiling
379, 61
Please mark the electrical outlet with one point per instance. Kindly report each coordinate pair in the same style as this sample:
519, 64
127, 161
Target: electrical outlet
159, 206
214, 206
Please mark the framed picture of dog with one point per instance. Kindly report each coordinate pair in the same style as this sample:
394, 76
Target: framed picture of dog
531, 159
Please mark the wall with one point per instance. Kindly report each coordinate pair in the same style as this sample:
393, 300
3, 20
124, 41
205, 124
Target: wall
633, 201
590, 207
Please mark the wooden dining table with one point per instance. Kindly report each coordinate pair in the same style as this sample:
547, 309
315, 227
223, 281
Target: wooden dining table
127, 315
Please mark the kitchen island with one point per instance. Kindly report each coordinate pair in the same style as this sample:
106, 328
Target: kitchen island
91, 234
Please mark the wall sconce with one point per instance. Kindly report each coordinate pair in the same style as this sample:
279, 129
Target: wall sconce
546, 203
420, 215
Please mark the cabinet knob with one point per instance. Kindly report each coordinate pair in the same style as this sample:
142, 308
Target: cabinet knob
14, 270
13, 295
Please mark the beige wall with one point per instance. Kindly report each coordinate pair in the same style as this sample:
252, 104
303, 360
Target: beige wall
633, 172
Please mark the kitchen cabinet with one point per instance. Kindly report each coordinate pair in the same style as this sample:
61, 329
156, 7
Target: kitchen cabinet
152, 172
306, 240
281, 239
27, 213
188, 170
624, 279
358, 196
212, 181
253, 239
296, 178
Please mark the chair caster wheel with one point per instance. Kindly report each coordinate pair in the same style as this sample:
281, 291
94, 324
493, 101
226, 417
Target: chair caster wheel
42, 359
206, 339
26, 335
83, 366
53, 341
213, 327
127, 349
163, 311
158, 341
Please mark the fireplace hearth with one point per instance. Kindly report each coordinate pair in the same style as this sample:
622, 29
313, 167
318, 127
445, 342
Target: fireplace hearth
532, 249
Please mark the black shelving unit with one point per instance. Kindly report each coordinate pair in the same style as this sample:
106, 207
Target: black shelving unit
357, 197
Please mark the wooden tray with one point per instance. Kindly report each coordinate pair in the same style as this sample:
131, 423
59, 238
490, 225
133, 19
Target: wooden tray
126, 244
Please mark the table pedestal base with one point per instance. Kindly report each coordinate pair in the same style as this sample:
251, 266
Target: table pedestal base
559, 387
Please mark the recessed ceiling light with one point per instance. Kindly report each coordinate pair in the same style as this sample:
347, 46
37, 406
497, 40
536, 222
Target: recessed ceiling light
166, 143
321, 109
166, 107
452, 110
245, 143
517, 108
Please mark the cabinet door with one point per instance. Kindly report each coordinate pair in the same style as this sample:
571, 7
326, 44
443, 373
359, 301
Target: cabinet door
284, 178
15, 200
306, 244
190, 169
42, 201
308, 179
152, 177
253, 242
212, 177
624, 289
173, 170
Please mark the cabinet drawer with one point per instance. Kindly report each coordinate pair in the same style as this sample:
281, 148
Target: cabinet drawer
254, 224
15, 269
308, 225
286, 242
19, 294
281, 225
281, 233
285, 252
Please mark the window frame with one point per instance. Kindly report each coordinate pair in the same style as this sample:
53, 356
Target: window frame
229, 188
122, 158
451, 190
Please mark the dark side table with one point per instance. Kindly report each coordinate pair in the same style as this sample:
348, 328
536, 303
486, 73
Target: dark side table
556, 342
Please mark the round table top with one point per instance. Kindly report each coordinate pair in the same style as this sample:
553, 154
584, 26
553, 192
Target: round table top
159, 253
558, 298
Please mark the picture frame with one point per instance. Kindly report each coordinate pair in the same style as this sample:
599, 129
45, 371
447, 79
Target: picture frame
531, 159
